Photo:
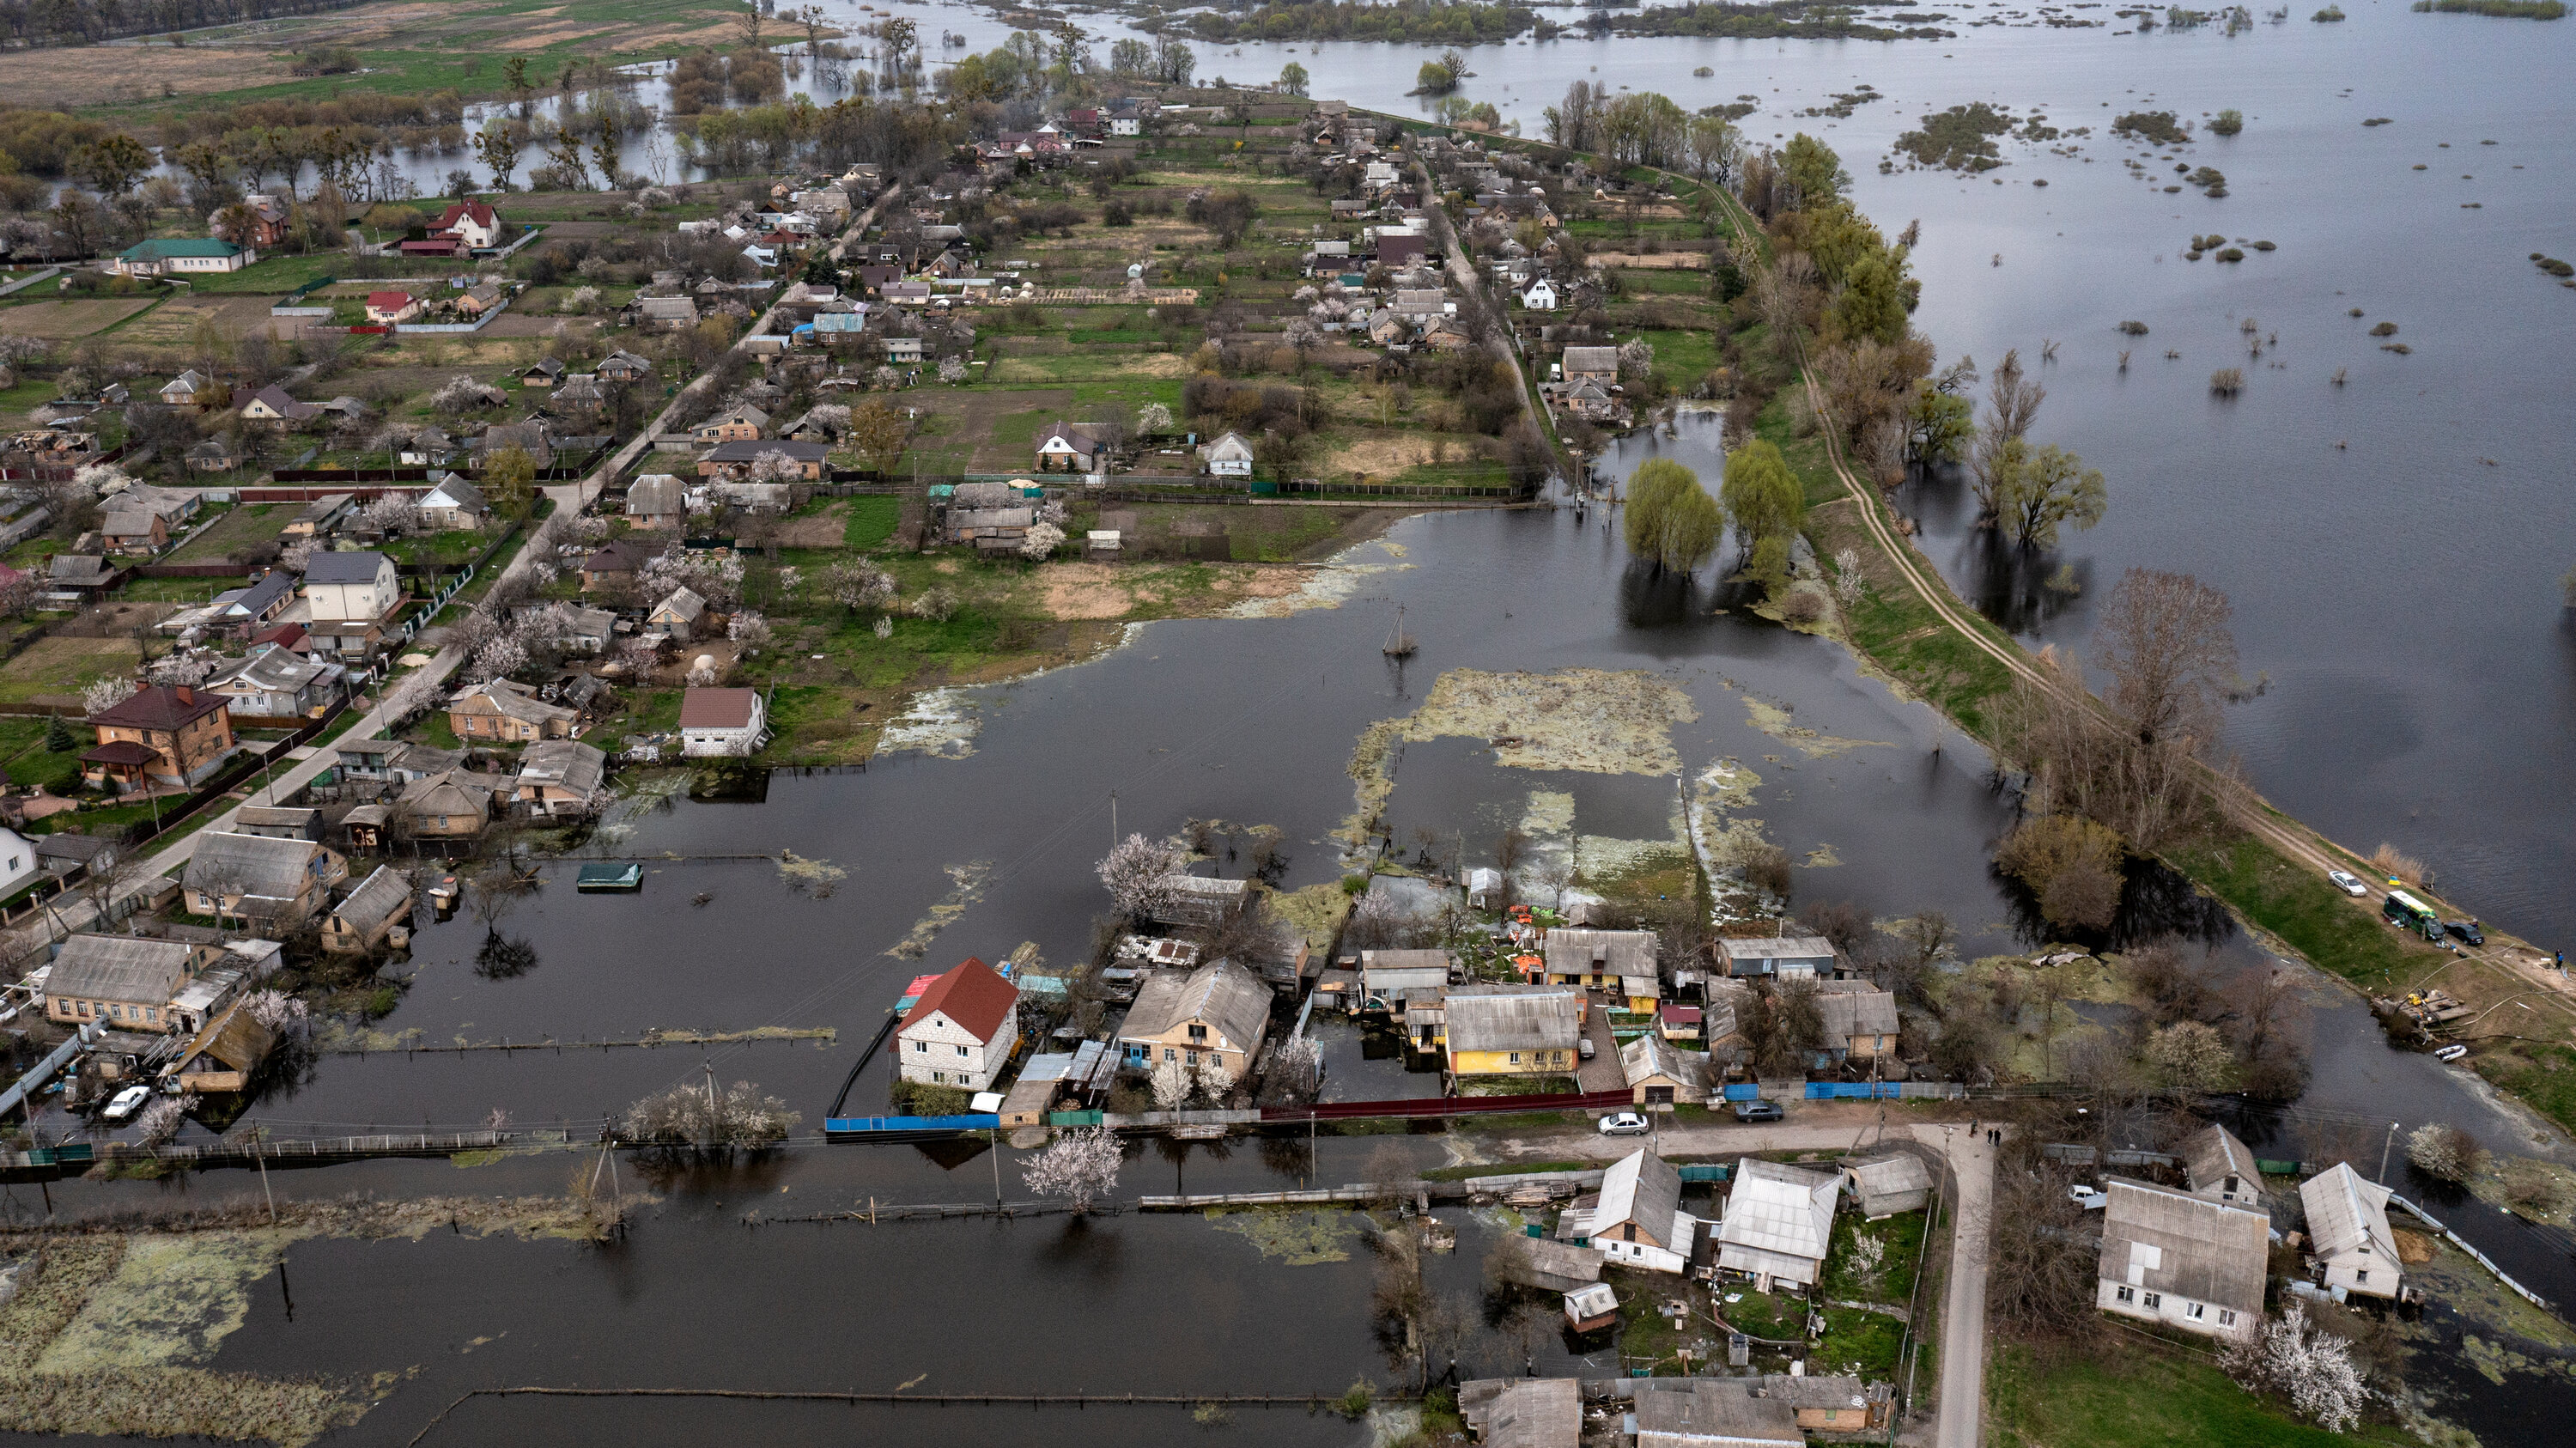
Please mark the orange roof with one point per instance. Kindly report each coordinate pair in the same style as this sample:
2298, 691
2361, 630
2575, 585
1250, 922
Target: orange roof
388, 301
972, 995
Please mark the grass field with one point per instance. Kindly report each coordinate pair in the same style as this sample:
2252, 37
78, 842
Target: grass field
243, 526
59, 668
2146, 1398
62, 319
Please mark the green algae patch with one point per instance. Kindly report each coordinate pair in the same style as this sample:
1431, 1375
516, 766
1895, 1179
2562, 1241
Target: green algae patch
1318, 910
1777, 722
172, 1301
1291, 1237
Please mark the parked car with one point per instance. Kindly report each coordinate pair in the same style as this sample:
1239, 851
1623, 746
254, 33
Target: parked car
2467, 930
2089, 1198
126, 1102
2347, 883
1759, 1111
1624, 1123
2451, 1052
1585, 1048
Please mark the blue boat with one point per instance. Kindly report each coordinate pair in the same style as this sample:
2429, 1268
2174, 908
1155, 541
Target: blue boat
623, 878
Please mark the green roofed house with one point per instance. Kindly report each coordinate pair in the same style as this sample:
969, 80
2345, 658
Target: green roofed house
180, 255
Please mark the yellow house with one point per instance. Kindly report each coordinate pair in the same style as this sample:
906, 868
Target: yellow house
1512, 1030
1618, 963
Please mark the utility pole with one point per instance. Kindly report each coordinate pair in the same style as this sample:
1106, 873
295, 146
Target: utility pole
2382, 1178
715, 1125
997, 1168
1113, 819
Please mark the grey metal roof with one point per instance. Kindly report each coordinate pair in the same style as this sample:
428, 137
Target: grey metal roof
270, 670
2347, 1213
1650, 1056
2213, 1156
1710, 1413
1897, 1174
119, 968
2173, 1242
564, 763
1643, 1188
1523, 1412
656, 494
1222, 994
1791, 947
1815, 1391
1600, 952
1562, 1265
354, 567
1513, 1018
378, 898
1778, 1220
1591, 359
254, 867
1404, 969
1857, 1013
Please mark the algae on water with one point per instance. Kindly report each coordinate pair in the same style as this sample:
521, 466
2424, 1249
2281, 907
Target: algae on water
1291, 1236
969, 880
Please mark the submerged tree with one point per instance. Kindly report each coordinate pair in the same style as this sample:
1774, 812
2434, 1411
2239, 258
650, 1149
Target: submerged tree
1079, 1167
700, 1116
2041, 490
1672, 522
2314, 1370
1138, 871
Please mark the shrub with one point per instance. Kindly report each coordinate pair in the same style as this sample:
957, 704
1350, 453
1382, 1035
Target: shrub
2384, 329
2228, 123
2133, 329
2227, 381
2391, 864
1803, 608
2445, 1152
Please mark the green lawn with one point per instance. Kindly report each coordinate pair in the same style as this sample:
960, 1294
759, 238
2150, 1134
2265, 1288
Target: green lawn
2301, 908
452, 548
871, 520
29, 763
278, 275
248, 524
2141, 1396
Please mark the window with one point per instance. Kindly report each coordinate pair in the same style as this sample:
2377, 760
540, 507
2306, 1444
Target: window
2226, 1317
2363, 1275
1170, 1055
940, 1077
2128, 1294
1194, 1058
921, 1045
151, 1014
1198, 1033
961, 1050
117, 1011
2192, 1310
1516, 1058
2155, 1299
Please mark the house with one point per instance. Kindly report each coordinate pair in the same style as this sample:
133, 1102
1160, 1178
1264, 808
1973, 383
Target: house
586, 631
624, 366
241, 612
453, 805
278, 822
2222, 1168
66, 855
722, 723
903, 351
430, 447
1639, 1221
1590, 400
214, 455
477, 300
391, 761
195, 391
79, 577
1396, 250
1619, 962
1541, 297
1198, 900
1386, 329
1787, 957
737, 458
254, 877
544, 372
317, 518
136, 531
271, 408
678, 614
473, 223
1778, 1222
734, 424
256, 222
614, 561
1662, 1074
579, 394
1209, 1021
1512, 1030
1523, 1412
1227, 456
125, 982
1065, 447
962, 1029
560, 778
657, 500
1829, 1404
1387, 976
1678, 1022
352, 596
272, 685
1711, 1413
2348, 1235
507, 712
1886, 1185
668, 314
1601, 364
180, 256
367, 915
20, 861
1423, 303
166, 734
1859, 1025
454, 505
2184, 1261
388, 308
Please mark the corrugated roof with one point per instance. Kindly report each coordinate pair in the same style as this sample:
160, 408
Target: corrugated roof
1650, 1056
1794, 947
1643, 1188
1857, 1013
2171, 1241
1600, 952
1513, 1018
255, 867
718, 708
118, 968
1889, 1176
1523, 1412
564, 763
1700, 1412
1222, 994
971, 994
2213, 1156
2347, 1212
377, 899
1778, 1220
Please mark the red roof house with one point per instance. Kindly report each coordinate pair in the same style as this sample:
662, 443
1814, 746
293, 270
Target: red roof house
474, 223
962, 1030
386, 308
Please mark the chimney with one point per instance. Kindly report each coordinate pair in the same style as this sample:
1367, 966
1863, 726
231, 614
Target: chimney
186, 694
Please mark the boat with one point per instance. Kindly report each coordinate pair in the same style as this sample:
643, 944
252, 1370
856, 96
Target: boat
594, 879
1399, 642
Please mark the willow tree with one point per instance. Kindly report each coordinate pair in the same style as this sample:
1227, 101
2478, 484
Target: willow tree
1672, 521
1768, 505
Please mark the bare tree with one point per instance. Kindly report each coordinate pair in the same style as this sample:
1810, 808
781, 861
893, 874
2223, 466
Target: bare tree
2165, 643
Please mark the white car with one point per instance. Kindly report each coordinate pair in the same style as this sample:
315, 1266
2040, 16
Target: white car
1624, 1123
2087, 1198
126, 1102
2451, 1052
2347, 883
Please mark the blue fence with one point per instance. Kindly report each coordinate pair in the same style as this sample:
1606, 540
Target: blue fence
1744, 1091
971, 1122
1854, 1090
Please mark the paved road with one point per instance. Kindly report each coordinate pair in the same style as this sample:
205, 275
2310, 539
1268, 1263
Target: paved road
1961, 1349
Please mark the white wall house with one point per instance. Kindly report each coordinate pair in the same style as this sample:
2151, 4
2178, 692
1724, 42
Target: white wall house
1540, 297
2348, 1233
2184, 1261
17, 861
1229, 456
721, 723
350, 588
962, 1030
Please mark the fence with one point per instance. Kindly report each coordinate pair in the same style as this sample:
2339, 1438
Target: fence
352, 475
856, 1125
227, 781
477, 325
1448, 1106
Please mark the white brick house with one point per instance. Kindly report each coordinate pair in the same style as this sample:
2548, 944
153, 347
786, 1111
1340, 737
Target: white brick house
962, 1030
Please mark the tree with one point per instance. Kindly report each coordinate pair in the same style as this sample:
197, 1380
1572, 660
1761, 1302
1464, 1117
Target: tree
2227, 123
2071, 863
113, 164
1079, 1167
510, 482
1154, 419
1938, 425
1138, 871
1671, 522
856, 584
1761, 494
1131, 57
1714, 145
2040, 490
498, 143
1292, 79
1814, 169
2165, 643
2445, 1152
58, 736
878, 431
700, 1117
2014, 401
1041, 541
101, 695
2191, 1054
2314, 1370
1872, 301
748, 627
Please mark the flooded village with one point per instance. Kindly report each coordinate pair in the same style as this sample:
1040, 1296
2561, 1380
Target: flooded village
1291, 766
